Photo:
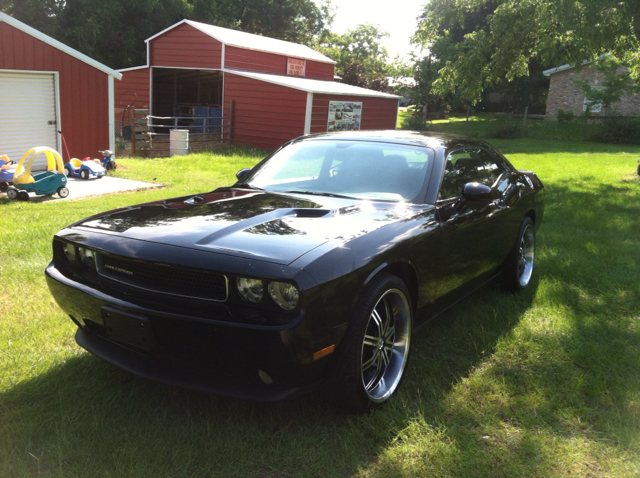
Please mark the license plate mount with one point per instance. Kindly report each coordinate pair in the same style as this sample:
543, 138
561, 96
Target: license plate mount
131, 329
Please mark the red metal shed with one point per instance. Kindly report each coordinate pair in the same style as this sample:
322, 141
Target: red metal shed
46, 87
280, 90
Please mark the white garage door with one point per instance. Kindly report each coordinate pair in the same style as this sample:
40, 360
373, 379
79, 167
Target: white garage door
27, 113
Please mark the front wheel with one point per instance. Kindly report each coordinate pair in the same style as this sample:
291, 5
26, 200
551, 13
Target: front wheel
519, 266
371, 359
84, 174
3, 187
12, 193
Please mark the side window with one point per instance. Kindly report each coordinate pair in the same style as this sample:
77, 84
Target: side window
491, 170
465, 166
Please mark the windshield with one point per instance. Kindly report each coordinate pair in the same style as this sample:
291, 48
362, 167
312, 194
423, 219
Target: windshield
358, 169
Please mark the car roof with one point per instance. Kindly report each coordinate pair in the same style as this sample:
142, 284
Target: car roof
433, 140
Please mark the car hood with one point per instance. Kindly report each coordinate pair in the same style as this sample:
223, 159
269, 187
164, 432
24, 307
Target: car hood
267, 226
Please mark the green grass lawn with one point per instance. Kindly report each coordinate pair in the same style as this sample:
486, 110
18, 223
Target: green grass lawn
541, 384
487, 125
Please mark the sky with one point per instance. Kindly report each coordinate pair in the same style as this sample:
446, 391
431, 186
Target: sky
398, 18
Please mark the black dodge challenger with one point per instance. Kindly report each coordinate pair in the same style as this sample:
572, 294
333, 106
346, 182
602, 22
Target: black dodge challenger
312, 271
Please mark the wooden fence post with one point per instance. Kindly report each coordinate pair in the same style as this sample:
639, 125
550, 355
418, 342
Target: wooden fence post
466, 127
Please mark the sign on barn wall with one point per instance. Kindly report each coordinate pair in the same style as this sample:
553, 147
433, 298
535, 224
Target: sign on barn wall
344, 116
295, 66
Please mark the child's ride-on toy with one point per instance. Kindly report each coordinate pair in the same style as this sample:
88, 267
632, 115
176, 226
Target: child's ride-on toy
84, 169
108, 162
7, 169
48, 182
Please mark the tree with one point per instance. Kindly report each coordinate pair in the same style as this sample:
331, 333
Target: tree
425, 73
361, 60
113, 32
515, 32
298, 21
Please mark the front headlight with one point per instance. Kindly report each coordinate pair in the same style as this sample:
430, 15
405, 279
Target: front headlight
284, 294
87, 257
69, 252
250, 290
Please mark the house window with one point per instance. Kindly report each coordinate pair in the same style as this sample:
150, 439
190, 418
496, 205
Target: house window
295, 66
596, 107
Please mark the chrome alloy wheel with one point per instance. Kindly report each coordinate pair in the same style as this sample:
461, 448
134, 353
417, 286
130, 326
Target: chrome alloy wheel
385, 347
526, 256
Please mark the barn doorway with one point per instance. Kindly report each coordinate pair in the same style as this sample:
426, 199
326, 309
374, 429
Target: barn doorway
178, 92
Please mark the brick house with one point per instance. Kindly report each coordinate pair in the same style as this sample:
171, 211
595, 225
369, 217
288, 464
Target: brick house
565, 95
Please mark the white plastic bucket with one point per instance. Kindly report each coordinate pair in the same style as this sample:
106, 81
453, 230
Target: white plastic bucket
178, 142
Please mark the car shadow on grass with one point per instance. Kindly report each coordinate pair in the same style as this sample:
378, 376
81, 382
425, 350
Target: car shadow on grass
86, 417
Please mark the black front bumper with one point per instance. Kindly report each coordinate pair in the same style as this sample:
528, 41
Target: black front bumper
197, 380
189, 352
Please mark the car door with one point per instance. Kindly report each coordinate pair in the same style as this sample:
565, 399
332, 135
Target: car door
475, 234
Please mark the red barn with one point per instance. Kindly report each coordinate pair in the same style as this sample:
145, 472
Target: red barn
47, 87
280, 90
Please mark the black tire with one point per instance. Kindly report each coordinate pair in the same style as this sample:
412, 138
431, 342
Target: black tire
518, 269
12, 193
3, 187
63, 192
23, 196
84, 174
371, 359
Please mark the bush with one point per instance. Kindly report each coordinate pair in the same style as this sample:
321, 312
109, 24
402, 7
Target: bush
504, 131
565, 116
416, 123
618, 129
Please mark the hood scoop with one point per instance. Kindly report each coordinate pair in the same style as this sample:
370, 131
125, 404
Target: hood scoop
312, 213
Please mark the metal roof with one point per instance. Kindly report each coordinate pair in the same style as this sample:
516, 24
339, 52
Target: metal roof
251, 41
56, 44
557, 69
313, 86
560, 68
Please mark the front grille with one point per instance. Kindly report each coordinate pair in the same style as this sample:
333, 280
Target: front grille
164, 278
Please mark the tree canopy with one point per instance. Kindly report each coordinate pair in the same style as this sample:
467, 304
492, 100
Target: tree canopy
484, 42
113, 31
361, 59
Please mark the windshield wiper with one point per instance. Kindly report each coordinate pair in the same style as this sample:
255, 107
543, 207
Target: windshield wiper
318, 193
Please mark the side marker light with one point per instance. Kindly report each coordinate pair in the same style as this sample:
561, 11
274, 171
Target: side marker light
326, 351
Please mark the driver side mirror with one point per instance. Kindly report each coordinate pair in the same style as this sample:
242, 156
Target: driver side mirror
475, 192
478, 192
242, 173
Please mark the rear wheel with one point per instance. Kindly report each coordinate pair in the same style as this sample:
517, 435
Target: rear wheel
23, 196
3, 187
371, 359
12, 193
519, 267
63, 192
